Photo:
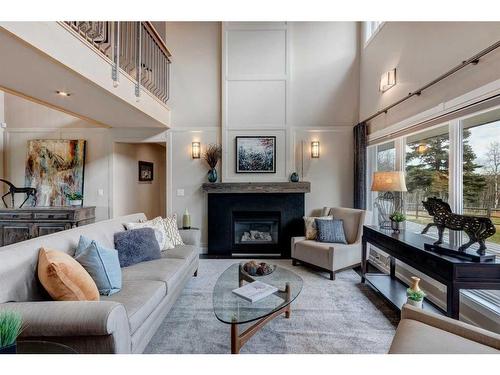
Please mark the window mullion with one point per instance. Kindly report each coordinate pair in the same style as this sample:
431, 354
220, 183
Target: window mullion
455, 182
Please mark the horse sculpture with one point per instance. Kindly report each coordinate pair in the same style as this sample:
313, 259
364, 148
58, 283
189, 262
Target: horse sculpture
29, 191
477, 228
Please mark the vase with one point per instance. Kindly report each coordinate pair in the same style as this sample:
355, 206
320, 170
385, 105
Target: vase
414, 303
75, 202
186, 220
395, 226
294, 177
414, 284
212, 175
10, 349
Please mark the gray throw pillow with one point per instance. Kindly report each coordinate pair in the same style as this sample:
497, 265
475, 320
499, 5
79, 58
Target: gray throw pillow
331, 231
136, 246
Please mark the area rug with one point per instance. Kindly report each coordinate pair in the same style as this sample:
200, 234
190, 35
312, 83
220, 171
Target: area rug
341, 316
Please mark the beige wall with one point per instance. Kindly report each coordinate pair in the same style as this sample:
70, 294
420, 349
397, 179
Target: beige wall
421, 51
130, 195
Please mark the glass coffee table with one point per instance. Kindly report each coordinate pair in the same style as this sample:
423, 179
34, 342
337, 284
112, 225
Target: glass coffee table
234, 310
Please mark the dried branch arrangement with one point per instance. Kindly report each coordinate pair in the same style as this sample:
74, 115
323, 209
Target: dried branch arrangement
212, 155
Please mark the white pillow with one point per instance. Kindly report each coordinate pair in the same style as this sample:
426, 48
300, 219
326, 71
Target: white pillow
311, 232
170, 223
161, 235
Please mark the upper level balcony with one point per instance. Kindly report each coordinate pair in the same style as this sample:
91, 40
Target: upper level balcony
116, 73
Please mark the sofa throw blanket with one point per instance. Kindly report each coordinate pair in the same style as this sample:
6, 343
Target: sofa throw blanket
136, 245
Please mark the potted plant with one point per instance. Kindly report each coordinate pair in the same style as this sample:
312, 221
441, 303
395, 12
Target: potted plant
212, 156
396, 219
10, 329
75, 198
415, 294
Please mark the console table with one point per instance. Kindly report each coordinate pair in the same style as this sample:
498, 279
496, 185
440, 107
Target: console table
20, 224
408, 248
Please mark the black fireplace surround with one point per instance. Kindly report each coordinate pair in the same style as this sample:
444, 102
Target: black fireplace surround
254, 223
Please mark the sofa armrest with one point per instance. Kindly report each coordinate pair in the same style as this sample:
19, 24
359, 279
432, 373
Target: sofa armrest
191, 237
74, 318
456, 327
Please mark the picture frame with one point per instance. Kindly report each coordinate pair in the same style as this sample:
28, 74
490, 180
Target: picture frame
255, 154
146, 171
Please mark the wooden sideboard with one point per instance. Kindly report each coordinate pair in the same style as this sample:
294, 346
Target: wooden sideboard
20, 224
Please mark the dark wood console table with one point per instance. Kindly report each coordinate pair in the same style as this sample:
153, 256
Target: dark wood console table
408, 248
20, 224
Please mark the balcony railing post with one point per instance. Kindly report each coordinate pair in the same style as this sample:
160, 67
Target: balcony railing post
138, 57
116, 53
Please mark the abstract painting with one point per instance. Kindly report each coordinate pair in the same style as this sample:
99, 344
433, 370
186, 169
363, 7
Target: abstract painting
256, 154
54, 168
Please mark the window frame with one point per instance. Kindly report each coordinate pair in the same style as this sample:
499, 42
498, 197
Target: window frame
482, 301
370, 30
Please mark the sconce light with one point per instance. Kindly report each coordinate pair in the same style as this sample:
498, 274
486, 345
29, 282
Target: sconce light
315, 149
195, 150
388, 80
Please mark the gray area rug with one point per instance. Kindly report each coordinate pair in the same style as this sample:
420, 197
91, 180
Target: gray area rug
341, 316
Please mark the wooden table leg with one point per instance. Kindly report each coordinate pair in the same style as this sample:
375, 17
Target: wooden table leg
235, 339
453, 301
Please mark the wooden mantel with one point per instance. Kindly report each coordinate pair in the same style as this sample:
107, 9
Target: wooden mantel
257, 187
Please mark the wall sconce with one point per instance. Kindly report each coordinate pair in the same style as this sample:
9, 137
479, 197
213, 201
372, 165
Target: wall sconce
315, 149
195, 150
388, 80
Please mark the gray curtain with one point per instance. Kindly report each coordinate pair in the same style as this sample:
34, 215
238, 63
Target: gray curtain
360, 143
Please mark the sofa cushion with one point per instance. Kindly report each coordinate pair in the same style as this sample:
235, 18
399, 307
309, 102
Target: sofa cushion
353, 221
310, 228
102, 264
64, 278
187, 252
140, 298
414, 337
168, 271
137, 245
331, 231
170, 223
313, 252
164, 241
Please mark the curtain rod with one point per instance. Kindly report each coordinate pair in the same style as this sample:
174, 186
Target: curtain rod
472, 60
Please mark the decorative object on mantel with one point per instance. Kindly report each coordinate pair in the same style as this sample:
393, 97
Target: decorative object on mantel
254, 268
54, 166
414, 293
186, 220
397, 218
256, 154
146, 171
10, 329
13, 190
257, 187
212, 156
477, 228
388, 183
75, 198
294, 177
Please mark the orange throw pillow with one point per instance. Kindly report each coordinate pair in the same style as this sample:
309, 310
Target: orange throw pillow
64, 278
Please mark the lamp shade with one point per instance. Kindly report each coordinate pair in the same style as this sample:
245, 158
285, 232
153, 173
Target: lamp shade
389, 181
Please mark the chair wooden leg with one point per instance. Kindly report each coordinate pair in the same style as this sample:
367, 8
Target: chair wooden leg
294, 262
332, 275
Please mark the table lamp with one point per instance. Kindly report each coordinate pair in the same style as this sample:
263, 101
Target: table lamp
388, 183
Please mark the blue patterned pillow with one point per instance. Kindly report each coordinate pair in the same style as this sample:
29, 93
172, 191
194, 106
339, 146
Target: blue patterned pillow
136, 246
331, 231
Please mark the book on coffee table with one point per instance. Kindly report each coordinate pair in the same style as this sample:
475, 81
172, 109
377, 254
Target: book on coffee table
255, 291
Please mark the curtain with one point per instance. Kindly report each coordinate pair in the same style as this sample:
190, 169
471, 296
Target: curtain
360, 144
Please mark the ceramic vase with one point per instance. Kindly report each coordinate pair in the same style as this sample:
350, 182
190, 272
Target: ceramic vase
395, 226
416, 288
212, 175
75, 202
294, 177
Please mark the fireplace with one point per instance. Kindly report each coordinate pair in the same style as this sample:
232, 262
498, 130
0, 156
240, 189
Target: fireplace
255, 230
254, 219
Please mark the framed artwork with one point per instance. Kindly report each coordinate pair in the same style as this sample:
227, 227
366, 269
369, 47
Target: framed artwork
256, 154
55, 167
145, 171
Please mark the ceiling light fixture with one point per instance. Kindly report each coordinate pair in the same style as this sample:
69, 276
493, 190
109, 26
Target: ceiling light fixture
63, 93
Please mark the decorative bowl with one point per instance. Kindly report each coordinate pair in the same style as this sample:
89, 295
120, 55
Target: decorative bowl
254, 268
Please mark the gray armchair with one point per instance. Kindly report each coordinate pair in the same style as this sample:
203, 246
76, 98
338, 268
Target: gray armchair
333, 257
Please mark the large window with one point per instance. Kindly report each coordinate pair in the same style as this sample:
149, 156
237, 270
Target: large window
427, 166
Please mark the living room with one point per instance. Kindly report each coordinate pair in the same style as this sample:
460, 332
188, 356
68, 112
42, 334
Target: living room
247, 183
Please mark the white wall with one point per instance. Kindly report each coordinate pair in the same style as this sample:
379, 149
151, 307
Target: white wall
130, 195
300, 83
421, 51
